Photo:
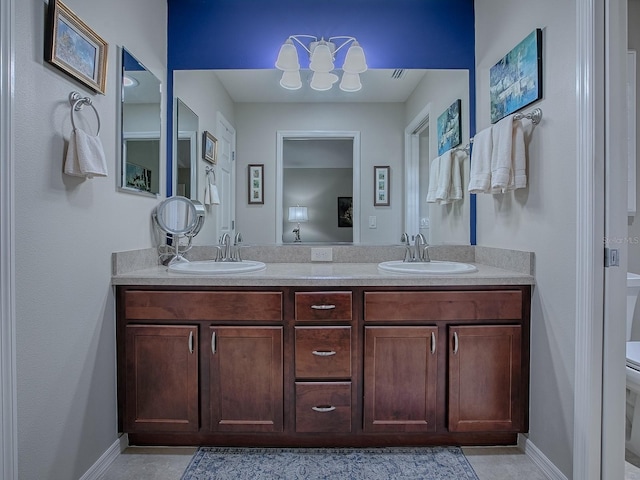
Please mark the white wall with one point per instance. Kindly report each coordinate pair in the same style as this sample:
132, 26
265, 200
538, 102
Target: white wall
382, 137
203, 93
542, 217
66, 229
439, 89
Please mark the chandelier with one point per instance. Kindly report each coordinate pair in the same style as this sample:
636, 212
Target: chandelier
321, 62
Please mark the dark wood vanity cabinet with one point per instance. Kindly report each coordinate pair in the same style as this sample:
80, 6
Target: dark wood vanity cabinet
292, 366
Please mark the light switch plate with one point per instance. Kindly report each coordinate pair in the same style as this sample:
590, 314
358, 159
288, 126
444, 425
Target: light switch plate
373, 221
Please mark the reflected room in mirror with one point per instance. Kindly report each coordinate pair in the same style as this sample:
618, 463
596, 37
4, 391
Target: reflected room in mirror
140, 126
185, 143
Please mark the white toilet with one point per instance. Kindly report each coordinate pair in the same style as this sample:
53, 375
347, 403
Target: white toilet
633, 366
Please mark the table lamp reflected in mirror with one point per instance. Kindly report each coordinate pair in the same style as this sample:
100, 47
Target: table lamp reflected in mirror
298, 215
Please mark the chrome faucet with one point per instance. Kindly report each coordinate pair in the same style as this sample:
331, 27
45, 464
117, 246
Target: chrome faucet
408, 256
237, 240
225, 247
421, 252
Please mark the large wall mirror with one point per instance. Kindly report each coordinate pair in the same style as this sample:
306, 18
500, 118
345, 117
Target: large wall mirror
140, 125
296, 136
185, 143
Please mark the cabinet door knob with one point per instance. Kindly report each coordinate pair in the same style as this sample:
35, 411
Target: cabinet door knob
213, 342
323, 307
433, 343
323, 409
191, 341
455, 342
323, 353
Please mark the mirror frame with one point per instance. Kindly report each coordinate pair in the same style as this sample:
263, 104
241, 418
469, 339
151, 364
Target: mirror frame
121, 135
283, 135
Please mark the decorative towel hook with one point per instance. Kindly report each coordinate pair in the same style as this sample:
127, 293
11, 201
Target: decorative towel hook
535, 116
209, 170
78, 102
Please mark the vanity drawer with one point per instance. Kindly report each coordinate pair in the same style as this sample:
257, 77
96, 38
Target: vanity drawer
185, 305
314, 306
471, 305
323, 352
323, 407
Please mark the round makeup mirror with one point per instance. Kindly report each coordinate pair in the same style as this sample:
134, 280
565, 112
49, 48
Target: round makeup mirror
178, 217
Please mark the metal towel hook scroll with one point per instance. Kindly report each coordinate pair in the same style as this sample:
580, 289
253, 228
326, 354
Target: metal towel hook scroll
77, 104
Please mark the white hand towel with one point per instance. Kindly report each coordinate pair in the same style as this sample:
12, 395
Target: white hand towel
207, 193
434, 174
455, 191
501, 160
444, 178
215, 197
480, 169
519, 159
85, 156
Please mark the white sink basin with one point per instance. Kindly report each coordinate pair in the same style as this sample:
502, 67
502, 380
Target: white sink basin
426, 268
209, 267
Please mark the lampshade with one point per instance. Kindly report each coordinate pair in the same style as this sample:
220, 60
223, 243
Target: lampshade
323, 81
321, 58
298, 214
288, 57
291, 80
350, 82
355, 62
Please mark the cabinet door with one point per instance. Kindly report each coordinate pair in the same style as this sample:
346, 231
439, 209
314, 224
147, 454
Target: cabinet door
484, 378
246, 379
400, 369
161, 378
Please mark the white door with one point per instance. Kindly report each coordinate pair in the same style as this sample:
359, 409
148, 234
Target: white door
226, 176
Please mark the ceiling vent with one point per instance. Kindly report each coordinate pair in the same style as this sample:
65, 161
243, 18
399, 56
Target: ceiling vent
398, 73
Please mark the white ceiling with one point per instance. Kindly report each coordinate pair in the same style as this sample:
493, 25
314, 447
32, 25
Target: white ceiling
263, 86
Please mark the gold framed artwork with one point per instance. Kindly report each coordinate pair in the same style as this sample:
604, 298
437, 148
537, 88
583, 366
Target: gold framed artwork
209, 147
381, 185
74, 48
256, 184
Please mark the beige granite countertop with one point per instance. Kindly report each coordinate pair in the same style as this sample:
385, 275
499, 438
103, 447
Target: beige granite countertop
495, 267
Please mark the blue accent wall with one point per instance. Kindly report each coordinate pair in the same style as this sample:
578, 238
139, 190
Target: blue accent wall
247, 34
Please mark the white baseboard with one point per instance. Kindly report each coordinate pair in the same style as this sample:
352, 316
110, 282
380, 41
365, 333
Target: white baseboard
104, 462
540, 459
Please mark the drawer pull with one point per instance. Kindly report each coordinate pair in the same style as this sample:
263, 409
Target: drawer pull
323, 409
213, 342
191, 342
323, 353
323, 307
433, 343
455, 343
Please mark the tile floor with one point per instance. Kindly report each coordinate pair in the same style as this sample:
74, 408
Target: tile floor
632, 466
160, 463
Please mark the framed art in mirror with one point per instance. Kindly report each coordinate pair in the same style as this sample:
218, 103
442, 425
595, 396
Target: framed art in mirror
75, 48
209, 147
381, 186
256, 184
345, 212
450, 128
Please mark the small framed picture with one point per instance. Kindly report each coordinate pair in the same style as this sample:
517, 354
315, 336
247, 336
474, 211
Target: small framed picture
381, 186
256, 183
74, 48
209, 147
450, 128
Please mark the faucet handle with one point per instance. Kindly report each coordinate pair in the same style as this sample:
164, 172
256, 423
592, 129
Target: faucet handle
404, 238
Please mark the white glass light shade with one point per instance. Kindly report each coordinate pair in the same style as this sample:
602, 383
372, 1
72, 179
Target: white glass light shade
354, 61
323, 81
321, 58
298, 214
350, 82
291, 80
288, 57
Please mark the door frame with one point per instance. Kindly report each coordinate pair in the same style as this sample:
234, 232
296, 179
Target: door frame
8, 375
223, 123
412, 168
282, 135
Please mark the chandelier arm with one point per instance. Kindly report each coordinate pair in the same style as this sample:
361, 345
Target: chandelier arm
295, 37
348, 39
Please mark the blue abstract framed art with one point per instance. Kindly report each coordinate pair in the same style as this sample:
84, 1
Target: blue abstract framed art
516, 80
449, 126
